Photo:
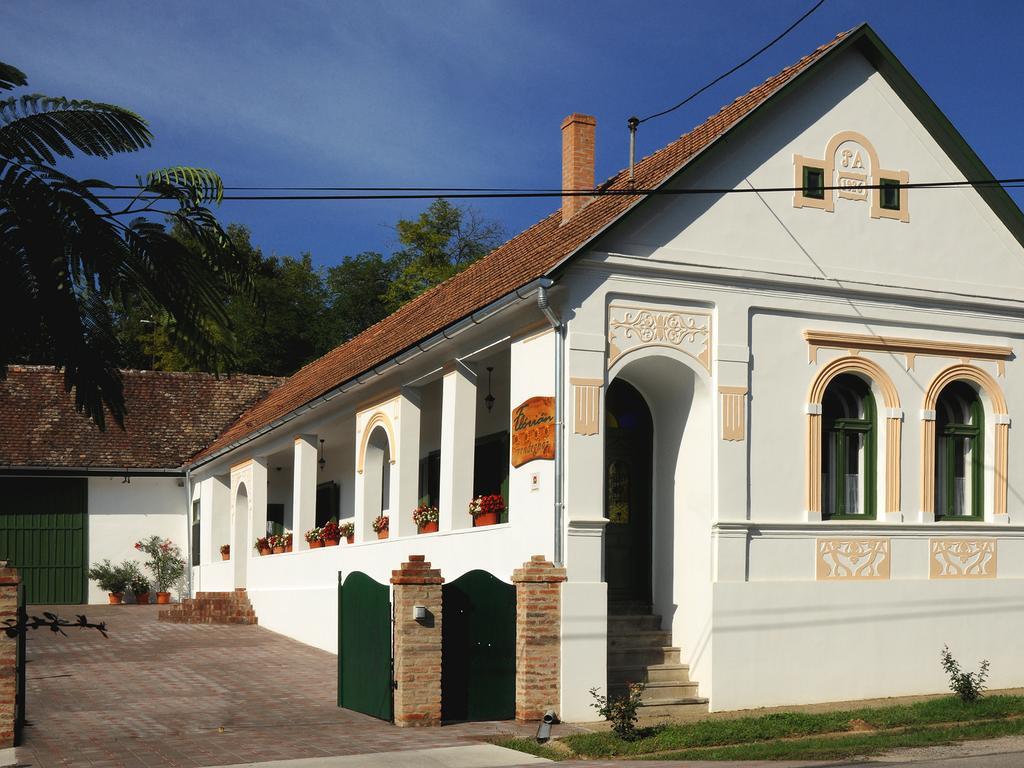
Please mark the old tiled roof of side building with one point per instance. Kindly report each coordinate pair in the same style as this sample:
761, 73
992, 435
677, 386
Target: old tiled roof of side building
170, 416
524, 258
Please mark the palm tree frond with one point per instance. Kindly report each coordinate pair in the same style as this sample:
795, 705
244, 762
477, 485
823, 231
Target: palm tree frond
11, 77
38, 129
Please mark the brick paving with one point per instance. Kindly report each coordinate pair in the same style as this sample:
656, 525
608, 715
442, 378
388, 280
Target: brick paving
155, 694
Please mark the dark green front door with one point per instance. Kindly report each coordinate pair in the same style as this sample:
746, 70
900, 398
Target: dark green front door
364, 646
43, 533
478, 657
628, 452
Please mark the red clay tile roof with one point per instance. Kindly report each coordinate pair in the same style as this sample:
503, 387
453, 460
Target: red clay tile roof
170, 417
524, 258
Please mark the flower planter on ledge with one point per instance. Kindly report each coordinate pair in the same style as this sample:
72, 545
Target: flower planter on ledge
163, 598
330, 542
350, 539
115, 597
382, 534
316, 544
225, 555
142, 598
486, 518
429, 527
264, 552
278, 550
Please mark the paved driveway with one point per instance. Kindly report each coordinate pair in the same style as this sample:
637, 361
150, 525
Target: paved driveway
154, 694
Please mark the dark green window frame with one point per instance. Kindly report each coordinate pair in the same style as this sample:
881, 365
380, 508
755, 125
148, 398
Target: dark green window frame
195, 531
834, 436
889, 195
945, 472
814, 182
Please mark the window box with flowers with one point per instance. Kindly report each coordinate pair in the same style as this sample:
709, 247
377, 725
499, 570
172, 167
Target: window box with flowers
425, 518
263, 545
165, 563
380, 526
486, 510
329, 534
348, 532
225, 551
314, 538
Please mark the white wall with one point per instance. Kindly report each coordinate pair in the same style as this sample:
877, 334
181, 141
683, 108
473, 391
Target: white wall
121, 514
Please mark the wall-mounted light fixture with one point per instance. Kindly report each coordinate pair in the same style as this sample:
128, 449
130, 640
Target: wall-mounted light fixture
320, 455
489, 400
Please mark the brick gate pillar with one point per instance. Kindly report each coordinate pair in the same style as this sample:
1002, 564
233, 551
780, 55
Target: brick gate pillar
538, 637
417, 643
9, 580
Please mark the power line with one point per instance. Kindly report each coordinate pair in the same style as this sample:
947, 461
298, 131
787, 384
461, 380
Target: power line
414, 193
739, 66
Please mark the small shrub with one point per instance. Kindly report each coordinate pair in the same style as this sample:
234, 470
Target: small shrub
620, 711
969, 686
113, 578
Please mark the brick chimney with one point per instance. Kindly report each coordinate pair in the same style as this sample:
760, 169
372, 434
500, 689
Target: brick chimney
577, 161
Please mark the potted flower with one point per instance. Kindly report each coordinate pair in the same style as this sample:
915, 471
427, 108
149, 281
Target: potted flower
140, 586
263, 545
486, 510
330, 534
380, 526
313, 538
112, 579
225, 551
165, 563
348, 531
277, 544
288, 541
425, 518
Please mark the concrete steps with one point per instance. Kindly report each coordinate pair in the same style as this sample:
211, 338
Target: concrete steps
640, 651
212, 608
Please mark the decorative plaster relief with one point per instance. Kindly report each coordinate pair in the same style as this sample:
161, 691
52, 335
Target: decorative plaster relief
586, 406
734, 412
909, 348
383, 415
962, 558
688, 331
850, 171
852, 559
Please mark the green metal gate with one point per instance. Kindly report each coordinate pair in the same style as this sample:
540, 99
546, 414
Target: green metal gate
43, 533
364, 646
478, 657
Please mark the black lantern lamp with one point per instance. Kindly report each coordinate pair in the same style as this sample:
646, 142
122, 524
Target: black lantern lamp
489, 400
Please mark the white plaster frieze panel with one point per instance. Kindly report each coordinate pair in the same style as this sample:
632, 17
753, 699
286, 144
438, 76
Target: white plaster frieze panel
686, 330
962, 558
860, 559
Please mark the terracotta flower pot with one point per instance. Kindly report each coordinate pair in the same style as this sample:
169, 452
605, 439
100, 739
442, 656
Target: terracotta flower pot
278, 550
486, 518
225, 555
350, 539
288, 547
142, 598
429, 527
115, 597
382, 534
163, 598
330, 542
264, 552
316, 544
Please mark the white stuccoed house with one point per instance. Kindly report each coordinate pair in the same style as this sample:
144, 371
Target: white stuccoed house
767, 433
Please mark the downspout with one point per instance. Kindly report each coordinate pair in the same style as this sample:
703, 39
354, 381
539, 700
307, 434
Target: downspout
188, 530
545, 307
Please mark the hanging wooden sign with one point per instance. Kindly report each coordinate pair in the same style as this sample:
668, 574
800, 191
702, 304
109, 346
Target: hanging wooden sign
533, 430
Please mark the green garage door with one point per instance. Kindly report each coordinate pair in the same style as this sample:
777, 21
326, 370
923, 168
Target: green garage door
43, 534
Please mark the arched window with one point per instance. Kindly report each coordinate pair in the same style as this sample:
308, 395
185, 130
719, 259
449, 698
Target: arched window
959, 452
848, 449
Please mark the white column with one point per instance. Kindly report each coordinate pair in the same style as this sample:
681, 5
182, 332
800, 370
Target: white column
405, 474
458, 444
303, 489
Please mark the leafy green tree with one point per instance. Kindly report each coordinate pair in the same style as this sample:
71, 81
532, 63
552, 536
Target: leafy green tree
442, 241
356, 288
67, 257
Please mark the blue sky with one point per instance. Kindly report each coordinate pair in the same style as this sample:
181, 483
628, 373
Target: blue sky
462, 93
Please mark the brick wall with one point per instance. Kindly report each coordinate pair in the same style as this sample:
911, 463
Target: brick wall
538, 637
9, 580
417, 644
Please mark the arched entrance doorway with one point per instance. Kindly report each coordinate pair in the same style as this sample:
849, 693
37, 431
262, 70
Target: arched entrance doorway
628, 456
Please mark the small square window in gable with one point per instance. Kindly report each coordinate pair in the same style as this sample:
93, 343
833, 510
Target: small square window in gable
889, 194
814, 182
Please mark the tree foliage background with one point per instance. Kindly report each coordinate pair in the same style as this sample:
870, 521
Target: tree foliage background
298, 311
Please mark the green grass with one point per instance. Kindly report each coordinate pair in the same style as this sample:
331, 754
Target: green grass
751, 737
531, 747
